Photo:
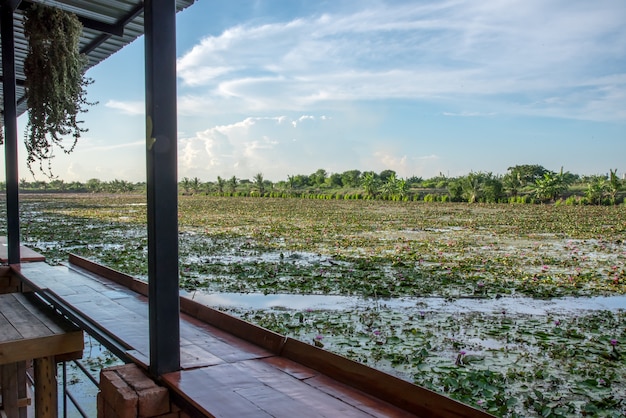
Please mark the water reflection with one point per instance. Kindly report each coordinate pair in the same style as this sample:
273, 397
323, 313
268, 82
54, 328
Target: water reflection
512, 305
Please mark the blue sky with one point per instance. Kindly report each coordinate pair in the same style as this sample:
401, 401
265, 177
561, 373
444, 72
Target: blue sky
419, 87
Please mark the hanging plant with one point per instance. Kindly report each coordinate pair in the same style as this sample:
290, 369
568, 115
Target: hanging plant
55, 83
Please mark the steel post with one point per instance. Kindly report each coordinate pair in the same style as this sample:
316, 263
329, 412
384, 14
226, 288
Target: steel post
10, 131
162, 185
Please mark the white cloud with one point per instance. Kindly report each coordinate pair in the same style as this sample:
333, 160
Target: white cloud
301, 119
202, 75
244, 148
130, 108
512, 55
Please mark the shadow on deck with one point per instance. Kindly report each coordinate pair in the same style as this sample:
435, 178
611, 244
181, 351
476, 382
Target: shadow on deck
229, 367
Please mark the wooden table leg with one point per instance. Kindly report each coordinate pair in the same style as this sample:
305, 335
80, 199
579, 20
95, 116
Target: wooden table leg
46, 387
22, 393
9, 389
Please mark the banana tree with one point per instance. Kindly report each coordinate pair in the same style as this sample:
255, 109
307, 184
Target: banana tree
596, 190
551, 185
370, 184
614, 185
389, 188
232, 184
220, 185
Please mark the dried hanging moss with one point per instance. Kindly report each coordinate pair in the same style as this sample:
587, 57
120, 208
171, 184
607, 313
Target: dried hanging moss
55, 83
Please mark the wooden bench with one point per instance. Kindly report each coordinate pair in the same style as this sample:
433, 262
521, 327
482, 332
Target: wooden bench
32, 330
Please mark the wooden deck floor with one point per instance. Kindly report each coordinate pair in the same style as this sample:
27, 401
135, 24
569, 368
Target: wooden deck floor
226, 375
26, 254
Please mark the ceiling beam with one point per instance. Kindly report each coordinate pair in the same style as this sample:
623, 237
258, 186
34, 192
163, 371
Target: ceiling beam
116, 29
13, 4
132, 14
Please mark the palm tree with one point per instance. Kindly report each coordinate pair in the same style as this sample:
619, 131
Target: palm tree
232, 184
472, 187
258, 182
512, 183
195, 185
185, 183
291, 181
220, 185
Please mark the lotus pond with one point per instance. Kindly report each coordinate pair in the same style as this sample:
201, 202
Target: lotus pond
444, 295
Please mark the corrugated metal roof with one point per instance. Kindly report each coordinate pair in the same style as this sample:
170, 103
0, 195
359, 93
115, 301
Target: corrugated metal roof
96, 43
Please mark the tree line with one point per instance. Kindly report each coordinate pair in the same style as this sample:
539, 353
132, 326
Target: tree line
528, 183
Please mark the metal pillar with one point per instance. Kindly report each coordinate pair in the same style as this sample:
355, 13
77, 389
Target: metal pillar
162, 184
10, 130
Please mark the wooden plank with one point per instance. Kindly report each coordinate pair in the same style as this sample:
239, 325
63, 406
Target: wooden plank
50, 318
291, 367
211, 390
111, 274
370, 404
235, 326
257, 335
37, 347
297, 395
20, 270
193, 356
45, 388
28, 324
409, 397
277, 404
29, 330
132, 334
26, 254
7, 331
219, 343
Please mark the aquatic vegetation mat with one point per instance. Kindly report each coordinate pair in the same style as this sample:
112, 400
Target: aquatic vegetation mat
367, 248
562, 364
510, 365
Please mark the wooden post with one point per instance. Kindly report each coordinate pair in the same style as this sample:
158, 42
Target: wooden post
46, 403
22, 393
9, 389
